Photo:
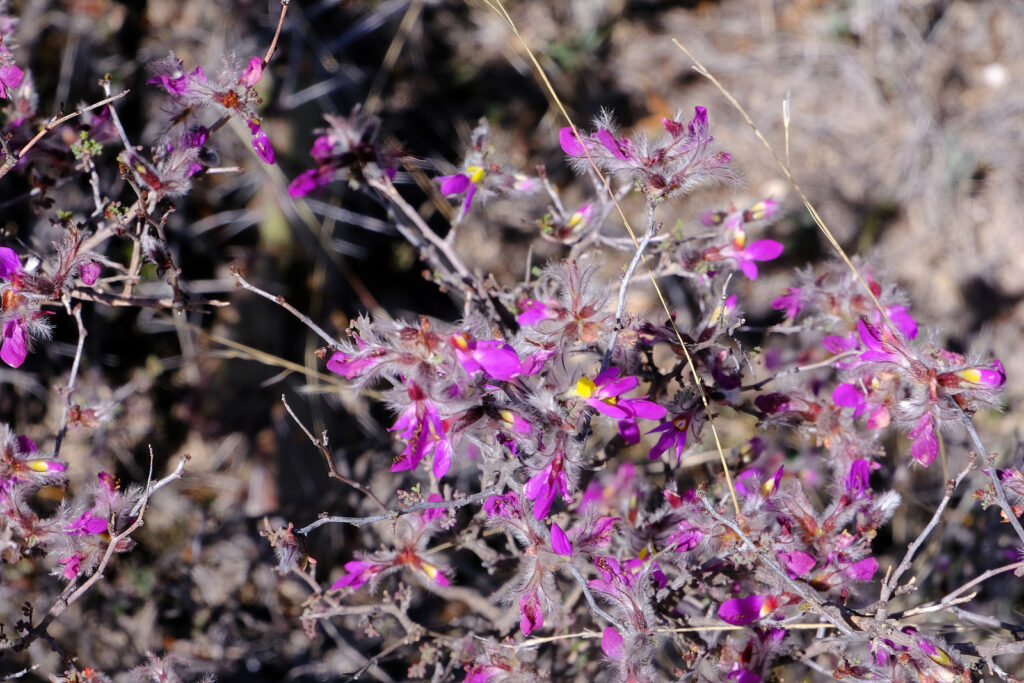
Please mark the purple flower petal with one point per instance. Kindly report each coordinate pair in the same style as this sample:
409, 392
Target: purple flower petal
611, 643
609, 142
10, 78
571, 145
560, 542
837, 344
9, 263
797, 562
497, 359
863, 570
763, 250
648, 410
531, 617
14, 342
252, 73
850, 396
740, 611
454, 184
925, 444
442, 458
89, 272
608, 409
262, 146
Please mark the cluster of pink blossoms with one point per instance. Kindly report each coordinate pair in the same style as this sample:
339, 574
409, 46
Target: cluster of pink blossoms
23, 293
528, 409
232, 92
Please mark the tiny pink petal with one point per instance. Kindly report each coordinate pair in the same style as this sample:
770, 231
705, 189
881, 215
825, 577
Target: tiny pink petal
571, 145
89, 272
863, 570
252, 73
559, 541
454, 184
611, 643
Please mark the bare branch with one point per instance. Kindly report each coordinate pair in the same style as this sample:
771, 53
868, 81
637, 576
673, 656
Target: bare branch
332, 471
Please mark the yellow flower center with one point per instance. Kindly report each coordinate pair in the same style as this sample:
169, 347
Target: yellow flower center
475, 173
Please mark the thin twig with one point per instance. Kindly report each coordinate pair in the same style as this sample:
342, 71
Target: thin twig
828, 362
952, 596
70, 388
990, 470
280, 301
398, 512
277, 33
651, 231
889, 585
332, 471
111, 299
590, 597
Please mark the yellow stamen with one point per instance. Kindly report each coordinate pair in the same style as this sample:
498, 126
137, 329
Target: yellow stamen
585, 388
475, 173
971, 375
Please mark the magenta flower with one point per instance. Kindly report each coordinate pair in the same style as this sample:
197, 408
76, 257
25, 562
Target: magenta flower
747, 254
741, 611
506, 505
993, 376
879, 342
925, 443
171, 74
310, 181
89, 272
72, 565
357, 573
674, 435
545, 485
251, 75
863, 570
531, 617
852, 396
260, 142
593, 534
229, 91
791, 302
604, 394
686, 536
797, 562
675, 164
87, 524
10, 264
349, 365
421, 426
857, 481
494, 357
462, 183
533, 312
430, 514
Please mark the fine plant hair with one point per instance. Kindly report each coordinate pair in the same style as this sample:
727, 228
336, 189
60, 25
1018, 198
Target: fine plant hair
604, 460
